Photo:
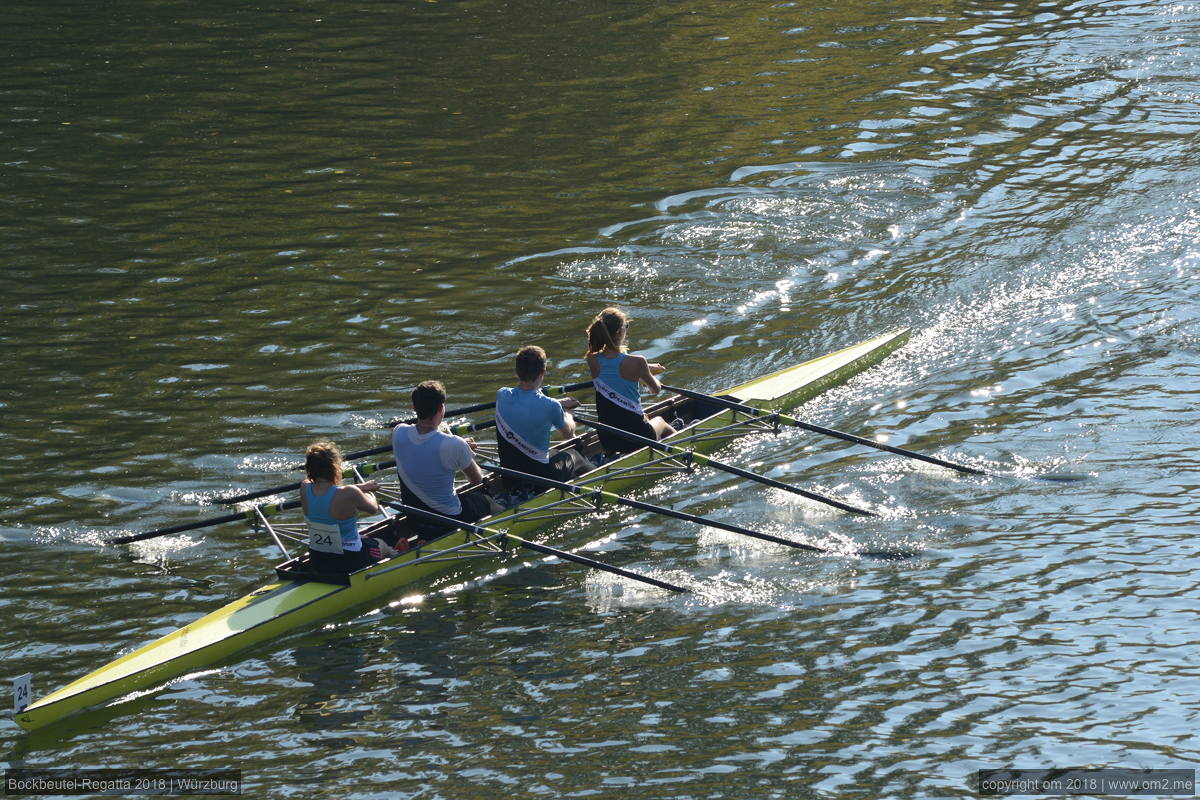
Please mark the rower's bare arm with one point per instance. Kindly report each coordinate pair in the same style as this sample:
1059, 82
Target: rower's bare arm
637, 368
365, 500
647, 373
474, 473
568, 428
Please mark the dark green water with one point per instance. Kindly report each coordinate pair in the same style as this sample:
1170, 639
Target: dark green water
226, 231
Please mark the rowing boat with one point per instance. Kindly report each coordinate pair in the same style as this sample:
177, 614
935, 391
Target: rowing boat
300, 598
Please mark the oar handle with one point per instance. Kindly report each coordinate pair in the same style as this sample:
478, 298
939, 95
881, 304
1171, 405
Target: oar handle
543, 481
471, 427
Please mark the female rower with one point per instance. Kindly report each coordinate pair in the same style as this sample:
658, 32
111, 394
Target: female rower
617, 376
331, 512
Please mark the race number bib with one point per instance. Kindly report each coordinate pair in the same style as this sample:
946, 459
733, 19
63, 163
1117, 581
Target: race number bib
324, 538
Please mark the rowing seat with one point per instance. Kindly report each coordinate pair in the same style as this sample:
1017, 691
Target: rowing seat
299, 569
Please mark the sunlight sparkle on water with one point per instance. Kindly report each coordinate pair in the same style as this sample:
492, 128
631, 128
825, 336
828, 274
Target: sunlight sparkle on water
757, 300
267, 463
159, 551
607, 592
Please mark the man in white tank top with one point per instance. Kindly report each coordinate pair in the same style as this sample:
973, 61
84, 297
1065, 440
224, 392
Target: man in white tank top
427, 461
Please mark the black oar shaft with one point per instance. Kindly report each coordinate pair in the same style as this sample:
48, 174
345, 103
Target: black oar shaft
208, 523
715, 523
458, 430
654, 509
454, 412
589, 562
241, 498
374, 451
291, 487
539, 548
549, 391
702, 459
814, 428
890, 555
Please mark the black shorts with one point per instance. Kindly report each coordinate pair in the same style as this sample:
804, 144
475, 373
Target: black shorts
612, 414
347, 561
475, 506
563, 466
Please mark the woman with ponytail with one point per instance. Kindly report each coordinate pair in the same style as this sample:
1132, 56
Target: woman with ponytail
618, 376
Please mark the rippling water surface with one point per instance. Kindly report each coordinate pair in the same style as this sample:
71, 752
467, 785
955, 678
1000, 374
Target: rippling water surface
227, 231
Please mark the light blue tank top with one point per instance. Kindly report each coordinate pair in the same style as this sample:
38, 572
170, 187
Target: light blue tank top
610, 374
318, 511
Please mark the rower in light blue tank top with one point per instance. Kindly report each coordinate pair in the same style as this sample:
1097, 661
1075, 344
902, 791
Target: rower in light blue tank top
618, 401
318, 511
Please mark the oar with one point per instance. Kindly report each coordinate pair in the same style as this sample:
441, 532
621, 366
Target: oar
549, 391
670, 512
850, 437
459, 430
241, 498
538, 548
702, 459
348, 472
808, 426
208, 523
456, 429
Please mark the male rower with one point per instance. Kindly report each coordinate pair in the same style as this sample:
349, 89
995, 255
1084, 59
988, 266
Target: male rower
427, 461
525, 418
